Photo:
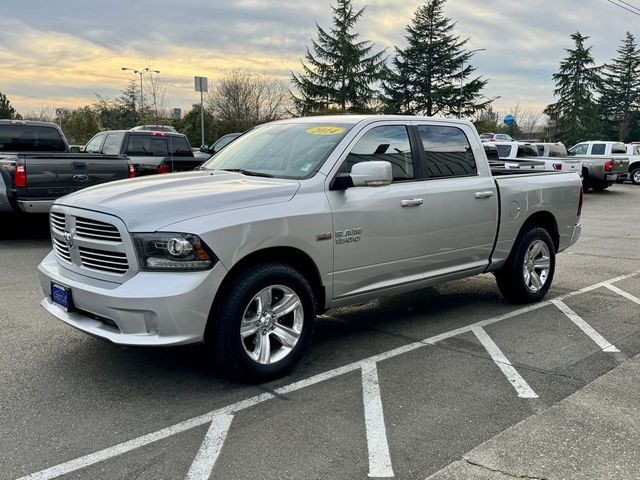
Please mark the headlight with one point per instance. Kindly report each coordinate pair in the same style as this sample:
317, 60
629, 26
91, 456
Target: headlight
173, 251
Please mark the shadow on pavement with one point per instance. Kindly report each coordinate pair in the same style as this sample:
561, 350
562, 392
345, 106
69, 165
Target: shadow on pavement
24, 227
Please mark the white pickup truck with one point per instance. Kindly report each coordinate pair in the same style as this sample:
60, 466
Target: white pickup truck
602, 163
521, 151
293, 218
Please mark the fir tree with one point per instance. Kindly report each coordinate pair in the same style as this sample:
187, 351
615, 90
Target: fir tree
620, 89
575, 113
341, 71
430, 75
6, 110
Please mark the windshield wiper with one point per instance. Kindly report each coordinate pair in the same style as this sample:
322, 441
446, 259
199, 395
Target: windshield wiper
249, 173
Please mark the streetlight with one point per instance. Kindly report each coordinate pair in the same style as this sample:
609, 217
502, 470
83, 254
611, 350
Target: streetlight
141, 73
462, 78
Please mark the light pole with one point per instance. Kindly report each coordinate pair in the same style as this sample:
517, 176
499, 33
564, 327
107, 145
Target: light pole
462, 78
141, 73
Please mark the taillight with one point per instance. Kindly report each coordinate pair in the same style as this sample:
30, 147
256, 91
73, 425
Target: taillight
20, 177
580, 202
132, 172
608, 166
557, 166
164, 168
158, 134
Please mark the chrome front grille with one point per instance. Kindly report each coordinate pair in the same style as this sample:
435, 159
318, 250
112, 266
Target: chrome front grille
97, 230
86, 244
62, 250
104, 260
58, 221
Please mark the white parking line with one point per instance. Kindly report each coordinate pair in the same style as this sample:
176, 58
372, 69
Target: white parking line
205, 460
379, 457
516, 380
124, 447
599, 340
624, 294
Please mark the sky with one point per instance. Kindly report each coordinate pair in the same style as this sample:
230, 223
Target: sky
62, 53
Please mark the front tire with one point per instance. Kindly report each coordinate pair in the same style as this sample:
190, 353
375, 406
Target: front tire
528, 273
634, 175
262, 324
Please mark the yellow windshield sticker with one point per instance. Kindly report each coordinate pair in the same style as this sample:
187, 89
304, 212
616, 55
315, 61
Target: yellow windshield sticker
325, 131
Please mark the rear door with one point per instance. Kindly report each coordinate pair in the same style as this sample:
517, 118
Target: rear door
461, 200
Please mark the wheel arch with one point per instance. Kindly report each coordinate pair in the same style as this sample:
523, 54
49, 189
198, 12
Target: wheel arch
546, 220
291, 256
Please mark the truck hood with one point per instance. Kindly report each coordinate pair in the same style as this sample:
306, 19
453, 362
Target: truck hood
152, 202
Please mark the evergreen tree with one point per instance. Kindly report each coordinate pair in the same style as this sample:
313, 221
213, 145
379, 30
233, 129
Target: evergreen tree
342, 70
575, 114
6, 110
80, 125
620, 89
429, 76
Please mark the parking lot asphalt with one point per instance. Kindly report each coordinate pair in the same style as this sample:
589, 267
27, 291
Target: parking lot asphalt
401, 386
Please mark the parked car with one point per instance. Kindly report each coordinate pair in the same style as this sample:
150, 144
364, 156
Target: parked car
294, 218
37, 166
206, 151
633, 152
602, 163
154, 128
530, 151
496, 137
149, 152
555, 149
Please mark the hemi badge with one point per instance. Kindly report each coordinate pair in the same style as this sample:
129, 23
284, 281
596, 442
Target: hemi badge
323, 236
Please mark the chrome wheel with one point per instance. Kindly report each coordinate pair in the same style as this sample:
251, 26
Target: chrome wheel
537, 264
635, 176
272, 324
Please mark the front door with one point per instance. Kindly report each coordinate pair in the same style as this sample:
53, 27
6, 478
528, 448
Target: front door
379, 232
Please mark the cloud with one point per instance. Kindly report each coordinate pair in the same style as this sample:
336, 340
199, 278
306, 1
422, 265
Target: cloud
64, 52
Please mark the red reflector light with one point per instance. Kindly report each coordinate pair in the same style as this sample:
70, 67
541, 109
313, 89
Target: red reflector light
557, 166
132, 172
163, 168
158, 134
608, 166
20, 177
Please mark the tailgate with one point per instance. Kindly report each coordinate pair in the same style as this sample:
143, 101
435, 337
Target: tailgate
620, 165
571, 165
50, 176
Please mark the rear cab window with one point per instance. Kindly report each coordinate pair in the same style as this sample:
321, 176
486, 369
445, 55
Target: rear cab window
31, 138
618, 149
598, 149
447, 152
147, 145
179, 146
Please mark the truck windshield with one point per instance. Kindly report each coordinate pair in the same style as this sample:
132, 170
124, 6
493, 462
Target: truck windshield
28, 138
285, 150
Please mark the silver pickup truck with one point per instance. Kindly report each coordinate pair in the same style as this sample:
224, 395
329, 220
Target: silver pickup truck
291, 219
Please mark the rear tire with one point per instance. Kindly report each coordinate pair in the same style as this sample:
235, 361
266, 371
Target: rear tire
527, 275
262, 324
634, 176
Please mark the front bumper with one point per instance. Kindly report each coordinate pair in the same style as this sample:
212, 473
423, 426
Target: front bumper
149, 309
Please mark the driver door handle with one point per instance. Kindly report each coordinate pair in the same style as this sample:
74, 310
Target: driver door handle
487, 194
412, 202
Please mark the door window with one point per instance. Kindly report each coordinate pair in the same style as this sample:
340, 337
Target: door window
580, 149
112, 144
94, 144
447, 151
598, 149
390, 144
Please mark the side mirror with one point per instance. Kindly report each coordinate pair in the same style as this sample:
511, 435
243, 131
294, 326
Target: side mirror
204, 148
75, 149
372, 174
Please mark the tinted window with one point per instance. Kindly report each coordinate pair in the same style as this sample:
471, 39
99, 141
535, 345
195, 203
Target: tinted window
492, 152
112, 144
486, 136
504, 150
224, 141
26, 138
94, 144
527, 151
557, 151
598, 149
540, 150
447, 151
179, 146
618, 148
389, 144
141, 145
